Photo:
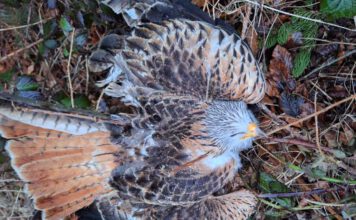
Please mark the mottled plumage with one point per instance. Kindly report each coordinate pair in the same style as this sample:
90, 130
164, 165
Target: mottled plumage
188, 79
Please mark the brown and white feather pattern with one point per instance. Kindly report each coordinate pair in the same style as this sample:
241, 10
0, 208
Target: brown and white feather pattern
185, 57
146, 164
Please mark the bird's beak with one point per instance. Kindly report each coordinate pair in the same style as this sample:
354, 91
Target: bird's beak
252, 132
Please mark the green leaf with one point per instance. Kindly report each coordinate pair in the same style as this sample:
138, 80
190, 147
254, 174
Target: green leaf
80, 101
269, 184
26, 83
49, 28
301, 62
65, 52
42, 49
273, 214
65, 25
338, 8
271, 41
7, 76
318, 173
283, 33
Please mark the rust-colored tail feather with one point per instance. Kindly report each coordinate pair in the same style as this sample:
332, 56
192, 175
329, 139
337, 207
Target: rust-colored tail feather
64, 172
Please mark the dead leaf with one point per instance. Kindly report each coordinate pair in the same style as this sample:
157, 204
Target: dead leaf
199, 3
325, 50
331, 139
279, 74
291, 104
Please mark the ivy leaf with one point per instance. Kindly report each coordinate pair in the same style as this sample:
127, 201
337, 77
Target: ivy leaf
338, 8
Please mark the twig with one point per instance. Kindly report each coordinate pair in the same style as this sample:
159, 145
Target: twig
294, 194
297, 16
317, 127
87, 76
328, 63
99, 100
313, 115
317, 197
299, 142
26, 25
20, 50
68, 69
270, 113
318, 88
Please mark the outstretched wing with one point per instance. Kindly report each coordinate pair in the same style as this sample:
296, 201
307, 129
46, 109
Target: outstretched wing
184, 57
173, 165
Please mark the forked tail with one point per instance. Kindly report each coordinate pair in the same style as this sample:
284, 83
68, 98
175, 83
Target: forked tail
65, 162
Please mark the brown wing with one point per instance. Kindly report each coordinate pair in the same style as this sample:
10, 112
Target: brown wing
64, 172
175, 136
185, 57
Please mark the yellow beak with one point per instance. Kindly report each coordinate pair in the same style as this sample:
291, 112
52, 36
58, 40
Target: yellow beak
251, 131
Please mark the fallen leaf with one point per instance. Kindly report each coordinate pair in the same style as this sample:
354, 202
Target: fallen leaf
331, 139
199, 3
325, 50
291, 104
279, 74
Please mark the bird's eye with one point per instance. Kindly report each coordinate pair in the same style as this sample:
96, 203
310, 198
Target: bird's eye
236, 134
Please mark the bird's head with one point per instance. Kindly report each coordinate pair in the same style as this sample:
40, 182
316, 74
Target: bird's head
232, 125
